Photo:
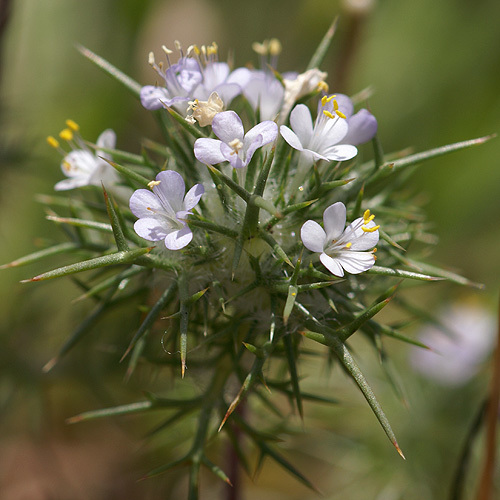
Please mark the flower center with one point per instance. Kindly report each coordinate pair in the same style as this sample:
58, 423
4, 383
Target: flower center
236, 146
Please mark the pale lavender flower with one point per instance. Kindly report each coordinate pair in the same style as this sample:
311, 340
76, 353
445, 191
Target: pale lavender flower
180, 81
342, 249
234, 145
163, 212
321, 140
460, 343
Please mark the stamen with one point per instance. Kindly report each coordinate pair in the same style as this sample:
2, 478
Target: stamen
340, 114
348, 245
327, 113
366, 215
274, 47
323, 86
166, 50
260, 48
52, 141
374, 250
73, 125
151, 59
369, 229
152, 184
235, 145
66, 165
66, 134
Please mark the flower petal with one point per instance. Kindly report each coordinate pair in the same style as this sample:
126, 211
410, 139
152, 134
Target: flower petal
234, 159
193, 196
151, 229
301, 123
178, 239
227, 126
208, 151
356, 262
313, 236
362, 128
144, 203
359, 239
341, 152
152, 97
291, 138
331, 264
106, 140
71, 183
334, 218
268, 131
171, 190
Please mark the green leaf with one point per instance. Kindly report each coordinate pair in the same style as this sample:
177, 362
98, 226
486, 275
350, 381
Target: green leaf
42, 254
399, 273
86, 265
88, 224
120, 239
194, 131
128, 172
128, 82
128, 409
323, 47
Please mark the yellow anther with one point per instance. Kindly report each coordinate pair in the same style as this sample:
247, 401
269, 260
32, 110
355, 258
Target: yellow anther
195, 49
152, 184
327, 113
66, 134
323, 86
52, 141
340, 114
374, 250
369, 229
73, 125
274, 47
366, 215
348, 245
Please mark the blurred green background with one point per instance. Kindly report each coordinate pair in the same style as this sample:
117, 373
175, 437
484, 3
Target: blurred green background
434, 68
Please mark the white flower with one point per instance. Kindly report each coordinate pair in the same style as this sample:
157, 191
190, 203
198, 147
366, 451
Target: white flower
163, 212
341, 249
321, 140
460, 343
84, 167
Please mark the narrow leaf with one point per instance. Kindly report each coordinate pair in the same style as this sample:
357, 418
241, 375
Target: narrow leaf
42, 254
323, 47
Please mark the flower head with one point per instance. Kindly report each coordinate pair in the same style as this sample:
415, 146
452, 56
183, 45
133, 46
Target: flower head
342, 249
82, 166
321, 140
163, 212
180, 80
234, 145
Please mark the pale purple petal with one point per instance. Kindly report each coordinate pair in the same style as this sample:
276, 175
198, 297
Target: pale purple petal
362, 128
208, 151
193, 196
332, 265
144, 203
252, 147
151, 229
170, 190
227, 92
152, 97
332, 130
178, 239
214, 74
106, 140
356, 262
291, 138
227, 126
268, 131
334, 218
301, 123
313, 236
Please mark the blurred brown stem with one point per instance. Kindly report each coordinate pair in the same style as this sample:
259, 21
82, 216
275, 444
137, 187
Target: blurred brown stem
486, 480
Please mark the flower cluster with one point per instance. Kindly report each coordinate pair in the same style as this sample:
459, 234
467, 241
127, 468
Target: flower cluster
246, 264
